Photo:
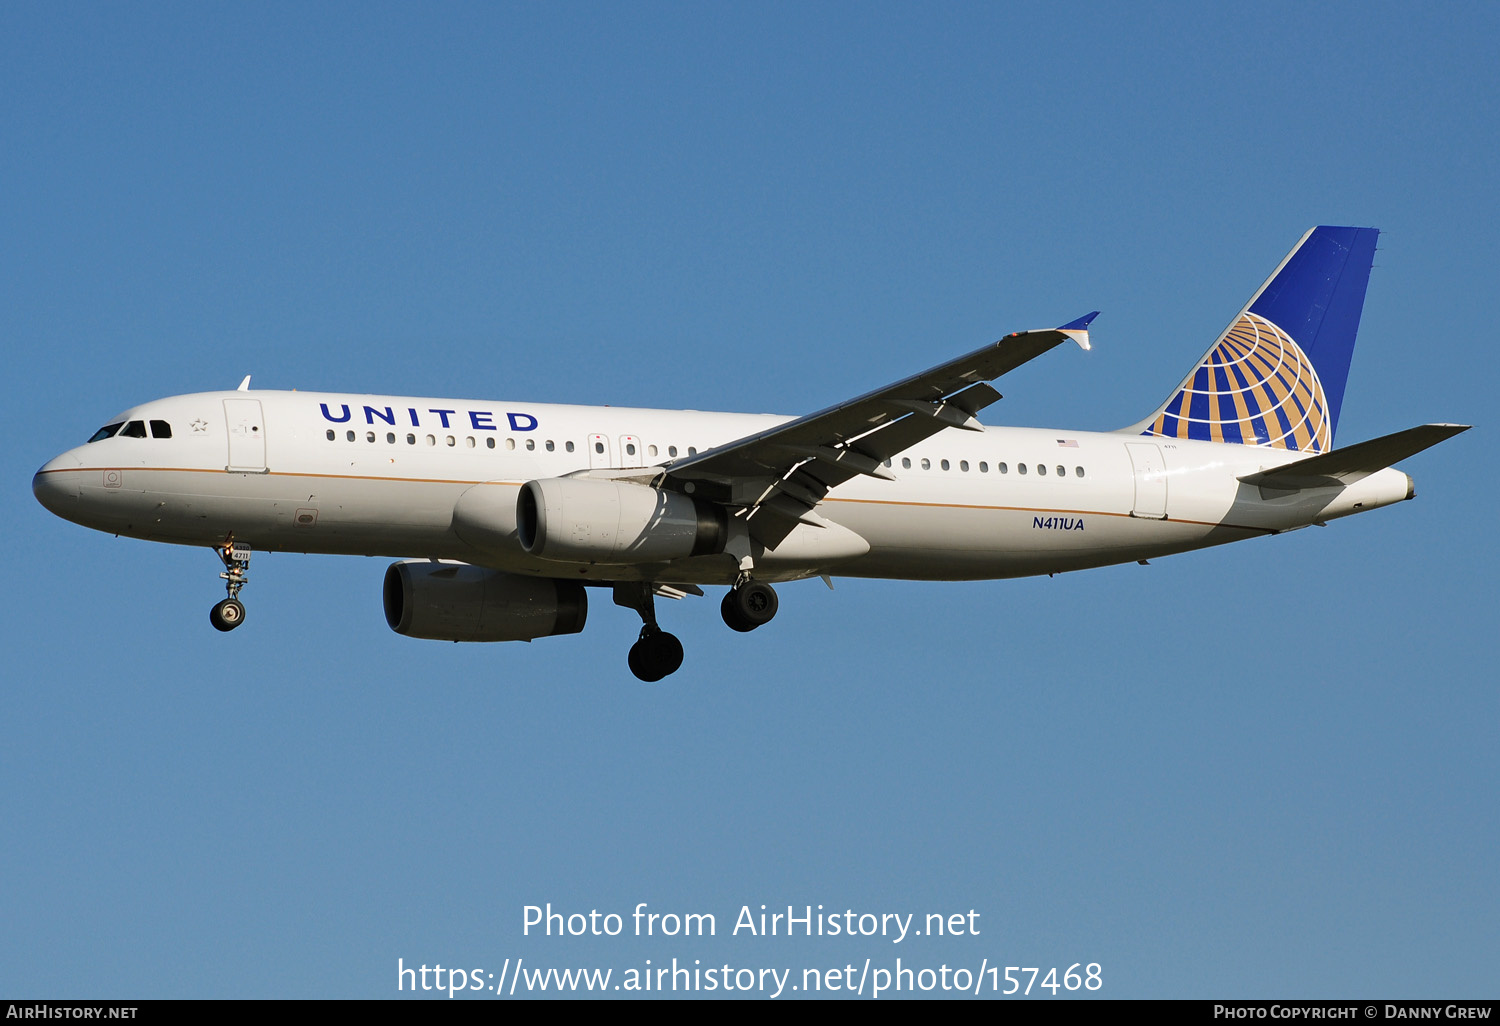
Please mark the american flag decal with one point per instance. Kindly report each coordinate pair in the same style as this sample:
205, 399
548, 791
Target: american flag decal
1068, 443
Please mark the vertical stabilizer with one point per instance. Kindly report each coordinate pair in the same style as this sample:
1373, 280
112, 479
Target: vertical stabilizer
1276, 375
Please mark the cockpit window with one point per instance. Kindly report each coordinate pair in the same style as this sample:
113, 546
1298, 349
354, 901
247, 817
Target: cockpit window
106, 431
161, 429
135, 429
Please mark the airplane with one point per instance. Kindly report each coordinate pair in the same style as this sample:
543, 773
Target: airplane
503, 514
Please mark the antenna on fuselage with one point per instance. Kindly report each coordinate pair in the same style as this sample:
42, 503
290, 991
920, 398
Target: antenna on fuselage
244, 385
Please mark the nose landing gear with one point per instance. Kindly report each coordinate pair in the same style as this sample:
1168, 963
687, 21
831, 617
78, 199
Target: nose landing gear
230, 612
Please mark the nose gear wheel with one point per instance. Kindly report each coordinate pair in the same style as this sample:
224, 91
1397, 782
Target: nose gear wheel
227, 614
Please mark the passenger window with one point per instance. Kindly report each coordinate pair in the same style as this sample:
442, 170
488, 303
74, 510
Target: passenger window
599, 447
672, 451
551, 445
926, 463
431, 440
1002, 468
888, 463
469, 441
568, 446
411, 439
984, 468
330, 434
651, 449
630, 448
1021, 469
531, 445
1041, 468
369, 436
451, 441
963, 465
135, 429
161, 429
945, 464
1078, 471
390, 438
110, 429
510, 443
350, 435
692, 451
489, 443
1062, 471
906, 463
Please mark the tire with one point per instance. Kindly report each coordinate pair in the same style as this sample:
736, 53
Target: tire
227, 615
655, 656
731, 616
753, 604
640, 663
668, 653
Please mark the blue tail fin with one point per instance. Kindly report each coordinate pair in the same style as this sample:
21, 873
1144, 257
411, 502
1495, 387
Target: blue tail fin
1276, 375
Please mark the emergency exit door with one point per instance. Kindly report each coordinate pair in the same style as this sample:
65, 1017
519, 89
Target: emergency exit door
1150, 480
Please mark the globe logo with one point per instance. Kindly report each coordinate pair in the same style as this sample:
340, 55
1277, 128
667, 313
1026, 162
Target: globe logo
1258, 387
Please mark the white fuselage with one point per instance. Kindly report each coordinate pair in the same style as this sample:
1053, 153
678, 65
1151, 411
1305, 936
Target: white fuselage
382, 475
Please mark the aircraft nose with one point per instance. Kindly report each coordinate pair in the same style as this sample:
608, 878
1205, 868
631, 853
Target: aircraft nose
56, 484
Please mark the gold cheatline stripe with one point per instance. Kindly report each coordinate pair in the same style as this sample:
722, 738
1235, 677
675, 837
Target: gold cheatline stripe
867, 502
281, 473
1036, 509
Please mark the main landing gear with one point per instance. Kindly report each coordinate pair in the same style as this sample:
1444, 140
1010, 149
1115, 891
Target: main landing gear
230, 613
748, 605
655, 654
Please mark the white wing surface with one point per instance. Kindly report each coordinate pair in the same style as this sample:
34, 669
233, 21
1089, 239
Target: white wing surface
776, 477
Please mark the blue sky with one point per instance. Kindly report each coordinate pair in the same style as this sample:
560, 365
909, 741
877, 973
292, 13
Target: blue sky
1262, 770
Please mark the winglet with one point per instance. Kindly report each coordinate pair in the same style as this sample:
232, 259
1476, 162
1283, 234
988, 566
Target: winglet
244, 385
1078, 330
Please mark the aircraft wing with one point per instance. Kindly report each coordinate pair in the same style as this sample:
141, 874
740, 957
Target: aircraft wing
777, 476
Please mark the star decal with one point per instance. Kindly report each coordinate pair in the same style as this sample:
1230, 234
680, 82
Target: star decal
199, 425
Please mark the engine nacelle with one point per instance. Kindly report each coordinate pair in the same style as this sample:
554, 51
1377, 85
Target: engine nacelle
586, 520
485, 517
459, 602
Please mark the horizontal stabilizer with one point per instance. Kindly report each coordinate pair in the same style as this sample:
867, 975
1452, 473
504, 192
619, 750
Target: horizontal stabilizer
1353, 462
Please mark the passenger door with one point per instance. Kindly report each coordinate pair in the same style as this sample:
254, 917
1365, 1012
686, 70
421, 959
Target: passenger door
247, 436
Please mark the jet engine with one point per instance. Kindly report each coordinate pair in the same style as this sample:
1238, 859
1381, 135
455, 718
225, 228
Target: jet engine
586, 520
459, 602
